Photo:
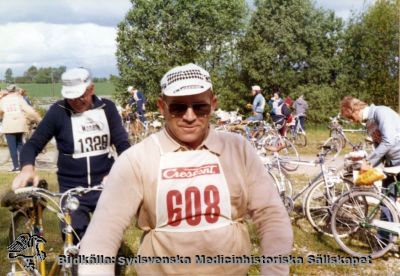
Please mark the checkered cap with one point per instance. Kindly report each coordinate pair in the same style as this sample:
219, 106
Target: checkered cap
189, 79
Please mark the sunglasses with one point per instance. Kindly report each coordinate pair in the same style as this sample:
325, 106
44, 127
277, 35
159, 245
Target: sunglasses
81, 98
179, 109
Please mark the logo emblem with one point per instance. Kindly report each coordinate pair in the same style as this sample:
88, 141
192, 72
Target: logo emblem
26, 248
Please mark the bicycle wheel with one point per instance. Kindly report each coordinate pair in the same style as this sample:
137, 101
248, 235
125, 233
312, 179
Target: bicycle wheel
288, 152
353, 227
284, 181
335, 146
319, 202
300, 139
284, 186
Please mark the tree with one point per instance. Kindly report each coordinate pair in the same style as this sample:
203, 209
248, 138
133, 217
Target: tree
31, 73
371, 54
44, 75
157, 35
8, 76
57, 72
290, 43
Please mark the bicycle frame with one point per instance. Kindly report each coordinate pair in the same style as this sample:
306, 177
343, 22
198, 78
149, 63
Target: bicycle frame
389, 226
66, 204
324, 174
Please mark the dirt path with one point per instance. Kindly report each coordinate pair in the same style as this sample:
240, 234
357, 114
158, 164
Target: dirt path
45, 161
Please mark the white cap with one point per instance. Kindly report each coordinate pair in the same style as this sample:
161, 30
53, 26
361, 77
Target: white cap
129, 88
12, 88
75, 82
189, 79
256, 88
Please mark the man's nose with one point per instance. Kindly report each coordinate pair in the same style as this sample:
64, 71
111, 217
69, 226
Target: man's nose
189, 115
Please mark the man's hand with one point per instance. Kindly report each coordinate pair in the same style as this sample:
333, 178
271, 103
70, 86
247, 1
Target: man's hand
26, 175
365, 166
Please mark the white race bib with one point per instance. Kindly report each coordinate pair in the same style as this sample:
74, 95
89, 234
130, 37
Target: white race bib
11, 105
192, 193
91, 133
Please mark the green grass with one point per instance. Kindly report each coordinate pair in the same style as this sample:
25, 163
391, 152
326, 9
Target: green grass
306, 242
317, 135
40, 90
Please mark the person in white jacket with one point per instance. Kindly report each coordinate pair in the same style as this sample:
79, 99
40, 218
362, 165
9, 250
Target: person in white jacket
16, 114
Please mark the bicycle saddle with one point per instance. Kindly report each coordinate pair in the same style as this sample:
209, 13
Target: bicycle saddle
392, 170
15, 201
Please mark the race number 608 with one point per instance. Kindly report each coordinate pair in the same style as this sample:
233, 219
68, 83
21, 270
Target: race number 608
191, 203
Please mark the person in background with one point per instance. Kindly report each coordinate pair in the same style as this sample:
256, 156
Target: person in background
25, 96
187, 194
300, 107
85, 128
258, 104
279, 111
383, 126
137, 101
16, 114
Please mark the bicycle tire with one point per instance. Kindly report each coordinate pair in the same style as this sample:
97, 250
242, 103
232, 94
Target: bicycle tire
335, 146
301, 139
286, 195
318, 204
289, 152
352, 228
287, 181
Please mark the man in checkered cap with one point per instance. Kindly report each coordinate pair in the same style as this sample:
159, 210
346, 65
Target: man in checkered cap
190, 189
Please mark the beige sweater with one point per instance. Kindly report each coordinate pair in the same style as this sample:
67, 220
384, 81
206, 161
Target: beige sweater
16, 113
131, 188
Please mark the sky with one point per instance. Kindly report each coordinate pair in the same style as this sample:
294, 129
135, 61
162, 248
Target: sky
77, 33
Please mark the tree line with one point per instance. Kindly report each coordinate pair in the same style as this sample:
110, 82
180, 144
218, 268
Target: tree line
39, 75
287, 44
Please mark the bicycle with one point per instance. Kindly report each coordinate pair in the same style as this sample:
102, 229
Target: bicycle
27, 205
262, 135
319, 194
296, 133
359, 225
338, 139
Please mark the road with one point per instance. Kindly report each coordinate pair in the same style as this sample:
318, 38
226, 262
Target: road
45, 161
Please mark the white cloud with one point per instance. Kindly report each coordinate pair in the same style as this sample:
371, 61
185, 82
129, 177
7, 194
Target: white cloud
43, 44
101, 12
343, 8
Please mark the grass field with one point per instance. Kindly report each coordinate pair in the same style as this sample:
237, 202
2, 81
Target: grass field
39, 90
307, 241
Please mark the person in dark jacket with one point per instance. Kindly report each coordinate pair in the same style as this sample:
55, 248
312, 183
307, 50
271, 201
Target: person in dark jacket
137, 102
85, 127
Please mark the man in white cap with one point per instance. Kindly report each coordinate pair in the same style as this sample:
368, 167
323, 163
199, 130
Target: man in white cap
190, 188
258, 104
85, 127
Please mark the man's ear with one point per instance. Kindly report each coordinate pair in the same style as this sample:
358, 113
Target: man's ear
214, 103
161, 106
91, 89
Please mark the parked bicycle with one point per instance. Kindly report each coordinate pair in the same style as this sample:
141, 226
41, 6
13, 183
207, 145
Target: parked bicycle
27, 206
319, 194
365, 221
263, 135
296, 134
338, 139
